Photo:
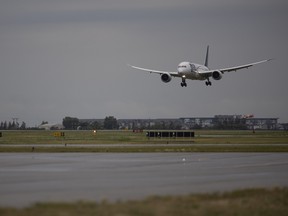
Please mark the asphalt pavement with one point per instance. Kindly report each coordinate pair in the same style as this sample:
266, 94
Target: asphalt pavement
27, 178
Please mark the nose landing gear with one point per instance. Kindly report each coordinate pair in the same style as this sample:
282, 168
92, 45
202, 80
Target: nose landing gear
183, 83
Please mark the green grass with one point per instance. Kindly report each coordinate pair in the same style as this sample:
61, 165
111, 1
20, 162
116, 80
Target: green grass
71, 137
111, 137
264, 202
233, 138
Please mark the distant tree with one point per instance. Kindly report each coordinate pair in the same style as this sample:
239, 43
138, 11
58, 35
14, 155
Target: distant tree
5, 125
83, 126
23, 126
9, 126
44, 122
110, 123
95, 125
70, 123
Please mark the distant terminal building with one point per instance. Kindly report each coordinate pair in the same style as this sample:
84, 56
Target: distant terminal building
262, 123
150, 124
231, 122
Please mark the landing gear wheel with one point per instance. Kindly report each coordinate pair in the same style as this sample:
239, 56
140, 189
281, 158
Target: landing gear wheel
208, 83
183, 84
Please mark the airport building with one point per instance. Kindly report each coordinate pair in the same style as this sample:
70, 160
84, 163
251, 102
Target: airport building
231, 122
150, 124
216, 122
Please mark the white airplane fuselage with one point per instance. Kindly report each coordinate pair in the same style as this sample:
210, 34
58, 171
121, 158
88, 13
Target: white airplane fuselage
191, 71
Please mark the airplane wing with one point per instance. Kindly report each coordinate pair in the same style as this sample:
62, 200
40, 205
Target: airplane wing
234, 68
175, 74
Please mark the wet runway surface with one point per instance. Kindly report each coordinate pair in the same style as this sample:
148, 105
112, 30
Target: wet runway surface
43, 177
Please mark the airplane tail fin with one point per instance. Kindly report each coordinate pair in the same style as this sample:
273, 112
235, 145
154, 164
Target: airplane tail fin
207, 57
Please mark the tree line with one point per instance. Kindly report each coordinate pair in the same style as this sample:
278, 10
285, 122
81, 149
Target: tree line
12, 125
111, 123
72, 123
69, 123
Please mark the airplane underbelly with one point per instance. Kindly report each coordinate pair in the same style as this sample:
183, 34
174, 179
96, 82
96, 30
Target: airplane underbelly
194, 76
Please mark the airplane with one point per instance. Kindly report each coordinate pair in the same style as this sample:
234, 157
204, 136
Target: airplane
192, 71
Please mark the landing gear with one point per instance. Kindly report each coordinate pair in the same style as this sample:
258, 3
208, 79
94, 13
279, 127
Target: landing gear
208, 83
183, 83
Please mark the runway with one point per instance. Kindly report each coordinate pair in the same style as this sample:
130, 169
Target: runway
45, 177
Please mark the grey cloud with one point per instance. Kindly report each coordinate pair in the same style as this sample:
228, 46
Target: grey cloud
71, 59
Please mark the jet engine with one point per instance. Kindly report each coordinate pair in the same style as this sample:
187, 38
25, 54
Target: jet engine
166, 77
217, 75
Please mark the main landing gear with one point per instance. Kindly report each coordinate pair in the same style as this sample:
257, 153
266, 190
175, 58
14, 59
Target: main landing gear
208, 83
183, 83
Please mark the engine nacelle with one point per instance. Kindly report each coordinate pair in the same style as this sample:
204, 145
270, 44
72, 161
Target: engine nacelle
166, 77
217, 75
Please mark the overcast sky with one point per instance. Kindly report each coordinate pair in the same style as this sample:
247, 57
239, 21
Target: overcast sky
69, 58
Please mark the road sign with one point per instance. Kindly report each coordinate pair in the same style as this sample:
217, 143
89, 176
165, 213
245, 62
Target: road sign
59, 134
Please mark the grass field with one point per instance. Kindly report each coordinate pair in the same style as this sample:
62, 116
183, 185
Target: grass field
111, 137
264, 202
275, 141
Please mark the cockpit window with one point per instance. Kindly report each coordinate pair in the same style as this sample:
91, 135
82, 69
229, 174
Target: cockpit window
182, 66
